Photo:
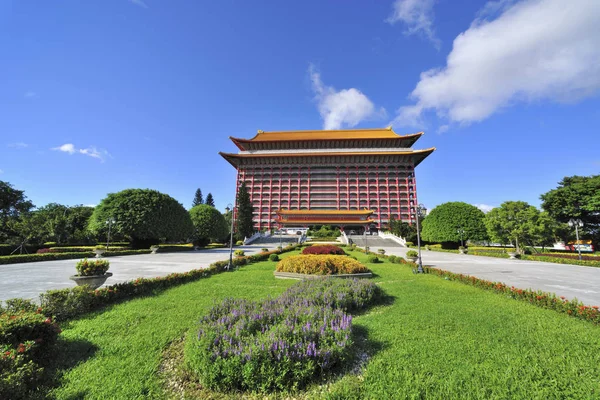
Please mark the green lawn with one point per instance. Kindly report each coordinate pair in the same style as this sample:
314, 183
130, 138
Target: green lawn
438, 339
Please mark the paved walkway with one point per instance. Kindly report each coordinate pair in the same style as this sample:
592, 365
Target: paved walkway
28, 280
565, 280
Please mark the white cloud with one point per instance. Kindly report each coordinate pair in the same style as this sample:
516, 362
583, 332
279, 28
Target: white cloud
484, 207
344, 108
18, 145
140, 3
443, 128
90, 151
67, 148
417, 15
534, 50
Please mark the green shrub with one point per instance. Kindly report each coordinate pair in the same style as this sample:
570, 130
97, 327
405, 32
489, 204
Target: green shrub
264, 250
392, 258
239, 243
239, 261
67, 303
239, 252
373, 259
273, 257
25, 341
412, 253
17, 305
320, 265
87, 267
409, 244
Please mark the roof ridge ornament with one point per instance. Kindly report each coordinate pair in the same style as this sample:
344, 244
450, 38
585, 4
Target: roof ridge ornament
389, 127
260, 131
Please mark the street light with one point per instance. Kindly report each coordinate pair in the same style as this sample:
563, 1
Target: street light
110, 222
229, 208
418, 212
461, 232
577, 223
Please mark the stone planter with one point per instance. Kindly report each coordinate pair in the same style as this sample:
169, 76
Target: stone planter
93, 281
462, 251
99, 252
412, 259
154, 249
513, 255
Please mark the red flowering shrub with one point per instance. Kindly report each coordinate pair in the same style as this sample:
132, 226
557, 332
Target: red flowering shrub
323, 249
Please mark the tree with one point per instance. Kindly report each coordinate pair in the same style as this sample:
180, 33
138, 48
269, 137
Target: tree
444, 222
198, 199
209, 200
576, 197
13, 204
143, 216
209, 224
515, 222
244, 224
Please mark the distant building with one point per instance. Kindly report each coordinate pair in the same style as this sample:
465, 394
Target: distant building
353, 179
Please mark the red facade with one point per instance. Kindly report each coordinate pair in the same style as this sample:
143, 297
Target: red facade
329, 170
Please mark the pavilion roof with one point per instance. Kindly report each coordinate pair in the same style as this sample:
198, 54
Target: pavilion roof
416, 155
324, 135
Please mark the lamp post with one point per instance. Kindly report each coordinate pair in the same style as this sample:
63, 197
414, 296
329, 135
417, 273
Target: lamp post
577, 223
110, 222
418, 212
229, 208
461, 232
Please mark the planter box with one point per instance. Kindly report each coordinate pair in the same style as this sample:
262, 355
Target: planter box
292, 275
93, 281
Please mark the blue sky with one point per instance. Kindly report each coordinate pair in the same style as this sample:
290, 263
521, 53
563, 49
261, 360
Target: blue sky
99, 96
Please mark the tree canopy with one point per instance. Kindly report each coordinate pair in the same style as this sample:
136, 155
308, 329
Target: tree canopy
576, 197
443, 223
209, 200
209, 224
517, 222
143, 216
244, 224
198, 199
13, 204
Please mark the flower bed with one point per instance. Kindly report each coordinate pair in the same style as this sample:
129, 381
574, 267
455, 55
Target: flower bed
323, 249
321, 265
279, 343
541, 299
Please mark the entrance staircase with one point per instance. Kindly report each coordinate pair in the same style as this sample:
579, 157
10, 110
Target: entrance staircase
374, 242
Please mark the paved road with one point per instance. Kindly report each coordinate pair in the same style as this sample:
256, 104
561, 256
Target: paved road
565, 280
28, 280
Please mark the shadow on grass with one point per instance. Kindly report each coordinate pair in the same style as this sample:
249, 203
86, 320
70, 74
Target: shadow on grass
66, 355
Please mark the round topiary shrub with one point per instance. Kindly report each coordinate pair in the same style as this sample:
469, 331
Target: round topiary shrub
239, 243
320, 265
239, 252
273, 257
412, 253
143, 216
373, 259
392, 258
264, 250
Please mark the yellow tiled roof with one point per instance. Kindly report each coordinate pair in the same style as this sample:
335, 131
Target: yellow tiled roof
371, 133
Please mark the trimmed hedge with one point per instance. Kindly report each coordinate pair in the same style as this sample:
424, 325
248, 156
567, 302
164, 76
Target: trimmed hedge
323, 249
320, 265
